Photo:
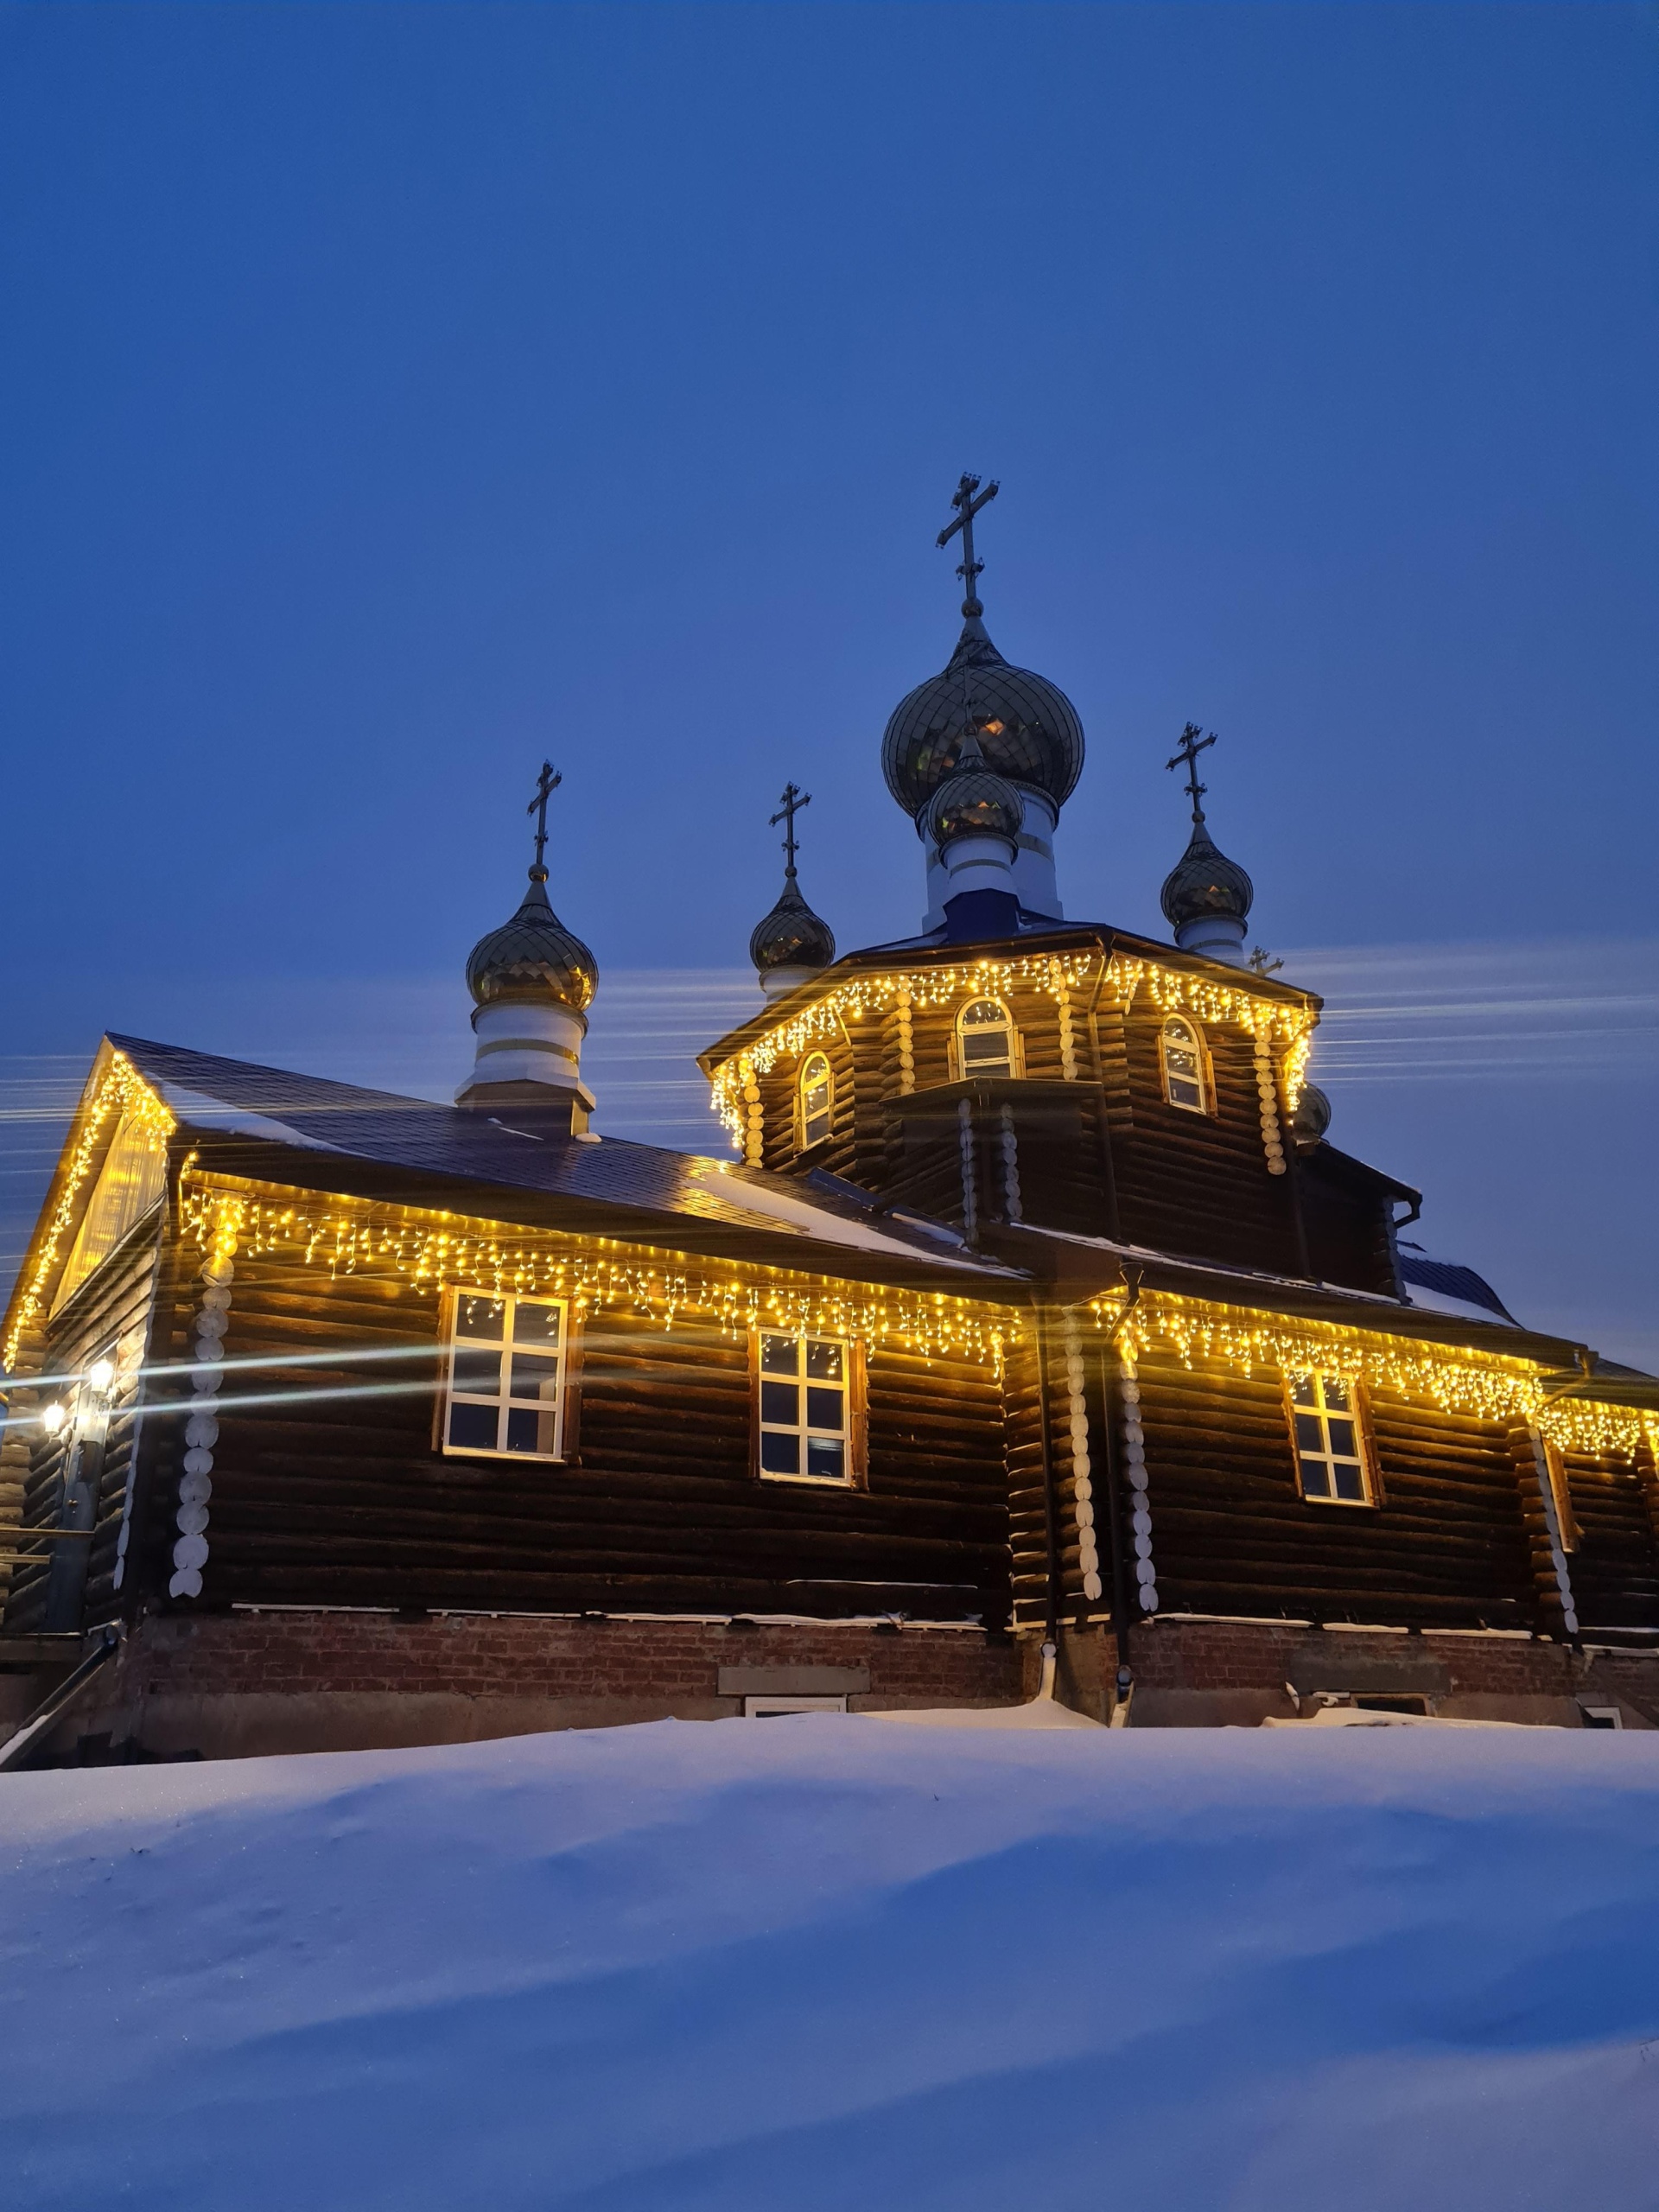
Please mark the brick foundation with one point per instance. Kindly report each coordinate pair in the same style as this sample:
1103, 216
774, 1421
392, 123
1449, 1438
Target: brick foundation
1209, 1674
245, 1683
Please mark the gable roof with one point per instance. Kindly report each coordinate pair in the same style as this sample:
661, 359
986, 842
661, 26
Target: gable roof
274, 1125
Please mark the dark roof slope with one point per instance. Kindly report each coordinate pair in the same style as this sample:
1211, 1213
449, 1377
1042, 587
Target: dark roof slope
610, 1183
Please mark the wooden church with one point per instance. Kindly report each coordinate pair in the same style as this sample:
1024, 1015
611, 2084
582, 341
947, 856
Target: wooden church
1032, 1307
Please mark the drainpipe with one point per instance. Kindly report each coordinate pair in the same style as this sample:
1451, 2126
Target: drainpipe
1125, 1682
1050, 1511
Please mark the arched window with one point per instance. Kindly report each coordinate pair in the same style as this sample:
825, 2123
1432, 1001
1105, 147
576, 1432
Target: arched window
1182, 1049
817, 1100
987, 1041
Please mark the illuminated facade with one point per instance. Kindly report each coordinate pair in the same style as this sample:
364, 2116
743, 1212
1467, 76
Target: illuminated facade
1031, 1303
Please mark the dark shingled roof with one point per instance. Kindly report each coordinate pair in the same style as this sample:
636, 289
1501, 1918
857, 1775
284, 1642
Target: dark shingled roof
642, 1187
1453, 1281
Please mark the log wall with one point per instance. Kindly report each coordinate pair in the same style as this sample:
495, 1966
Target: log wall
336, 1494
110, 1316
1448, 1545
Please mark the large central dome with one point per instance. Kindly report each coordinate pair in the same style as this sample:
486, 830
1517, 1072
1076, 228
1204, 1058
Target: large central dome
1027, 729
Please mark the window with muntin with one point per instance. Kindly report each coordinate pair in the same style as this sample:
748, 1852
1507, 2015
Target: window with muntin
1334, 1456
503, 1393
805, 1408
987, 1041
1182, 1046
817, 1094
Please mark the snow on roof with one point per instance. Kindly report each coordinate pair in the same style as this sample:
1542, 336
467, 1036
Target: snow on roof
701, 1967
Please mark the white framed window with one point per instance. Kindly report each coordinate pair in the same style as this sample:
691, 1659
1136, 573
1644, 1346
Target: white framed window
804, 1415
769, 1709
504, 1394
1328, 1428
1182, 1049
987, 1040
1602, 1716
817, 1091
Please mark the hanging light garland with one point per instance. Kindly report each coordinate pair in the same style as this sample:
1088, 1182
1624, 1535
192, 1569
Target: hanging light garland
1487, 1385
121, 1091
1286, 1027
600, 1273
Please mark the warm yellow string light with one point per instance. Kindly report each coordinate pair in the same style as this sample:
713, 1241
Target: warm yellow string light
121, 1090
1487, 1385
598, 1273
1288, 1027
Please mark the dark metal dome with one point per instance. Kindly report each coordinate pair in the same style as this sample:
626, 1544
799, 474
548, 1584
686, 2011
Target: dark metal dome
791, 935
1205, 881
974, 802
533, 957
1029, 729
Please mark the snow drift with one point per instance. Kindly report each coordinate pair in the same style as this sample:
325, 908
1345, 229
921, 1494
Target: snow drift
821, 1963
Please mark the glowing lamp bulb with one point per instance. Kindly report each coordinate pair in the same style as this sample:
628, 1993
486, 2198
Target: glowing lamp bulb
51, 1419
100, 1374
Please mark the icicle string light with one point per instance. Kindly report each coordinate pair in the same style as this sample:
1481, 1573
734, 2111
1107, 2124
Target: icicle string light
121, 1090
598, 1275
1486, 1385
1288, 1028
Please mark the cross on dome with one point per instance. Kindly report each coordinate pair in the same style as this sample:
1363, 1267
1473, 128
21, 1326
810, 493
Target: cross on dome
792, 800
546, 784
967, 507
1188, 750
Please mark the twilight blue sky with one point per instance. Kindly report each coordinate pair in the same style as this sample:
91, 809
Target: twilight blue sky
395, 394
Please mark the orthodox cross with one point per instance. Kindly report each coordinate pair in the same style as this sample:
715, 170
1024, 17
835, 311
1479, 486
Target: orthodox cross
546, 784
793, 801
1188, 750
967, 507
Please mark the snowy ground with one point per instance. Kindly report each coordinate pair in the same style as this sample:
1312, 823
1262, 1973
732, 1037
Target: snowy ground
819, 1963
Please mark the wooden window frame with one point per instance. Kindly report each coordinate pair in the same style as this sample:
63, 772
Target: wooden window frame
1370, 1473
803, 1141
857, 1394
1206, 1073
960, 1072
565, 1421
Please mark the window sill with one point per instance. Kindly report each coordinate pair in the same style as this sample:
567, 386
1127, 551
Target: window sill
1342, 1504
524, 1459
810, 1482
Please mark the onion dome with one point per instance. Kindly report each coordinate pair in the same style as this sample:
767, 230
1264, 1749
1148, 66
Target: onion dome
1027, 727
1311, 1118
791, 935
533, 959
1204, 882
973, 802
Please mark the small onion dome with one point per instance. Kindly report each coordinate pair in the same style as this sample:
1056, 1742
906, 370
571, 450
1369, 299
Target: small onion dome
1311, 1118
533, 957
1029, 729
791, 935
1205, 881
975, 803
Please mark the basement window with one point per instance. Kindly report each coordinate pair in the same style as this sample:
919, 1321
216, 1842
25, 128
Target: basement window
1327, 1428
805, 1385
771, 1708
504, 1389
